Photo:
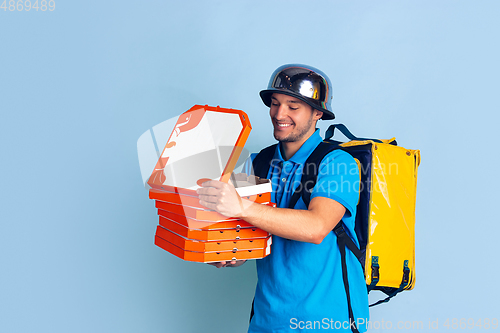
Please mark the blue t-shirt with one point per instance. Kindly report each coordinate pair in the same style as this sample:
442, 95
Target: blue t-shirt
300, 286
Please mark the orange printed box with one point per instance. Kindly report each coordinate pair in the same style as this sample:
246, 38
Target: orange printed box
213, 235
205, 225
211, 256
211, 246
192, 212
194, 201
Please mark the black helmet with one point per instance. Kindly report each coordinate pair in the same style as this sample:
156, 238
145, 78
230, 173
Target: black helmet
303, 82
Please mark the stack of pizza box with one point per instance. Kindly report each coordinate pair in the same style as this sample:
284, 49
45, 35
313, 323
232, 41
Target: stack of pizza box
205, 145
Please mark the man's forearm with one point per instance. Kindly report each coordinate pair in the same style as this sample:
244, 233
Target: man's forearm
311, 225
303, 225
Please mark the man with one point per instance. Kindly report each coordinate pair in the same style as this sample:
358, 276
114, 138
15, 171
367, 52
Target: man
300, 285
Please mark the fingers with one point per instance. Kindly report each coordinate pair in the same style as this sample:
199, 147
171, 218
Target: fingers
208, 197
208, 191
209, 205
214, 188
231, 263
218, 264
213, 183
213, 200
211, 197
221, 197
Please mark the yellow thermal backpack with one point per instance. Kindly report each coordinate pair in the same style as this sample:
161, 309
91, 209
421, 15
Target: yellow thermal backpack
385, 216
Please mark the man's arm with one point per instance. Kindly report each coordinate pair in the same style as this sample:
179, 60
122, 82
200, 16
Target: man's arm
310, 225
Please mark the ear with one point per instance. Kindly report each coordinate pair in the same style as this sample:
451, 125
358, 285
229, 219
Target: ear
317, 114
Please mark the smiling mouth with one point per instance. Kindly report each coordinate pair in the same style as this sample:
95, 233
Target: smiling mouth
283, 125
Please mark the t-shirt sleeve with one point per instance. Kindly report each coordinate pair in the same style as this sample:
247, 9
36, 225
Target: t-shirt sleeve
338, 179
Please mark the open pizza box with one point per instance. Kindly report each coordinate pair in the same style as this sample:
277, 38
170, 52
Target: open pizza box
205, 144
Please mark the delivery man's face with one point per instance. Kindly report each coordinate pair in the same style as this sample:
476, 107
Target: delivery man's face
293, 120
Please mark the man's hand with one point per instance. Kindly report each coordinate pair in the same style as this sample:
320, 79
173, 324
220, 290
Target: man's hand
221, 197
234, 263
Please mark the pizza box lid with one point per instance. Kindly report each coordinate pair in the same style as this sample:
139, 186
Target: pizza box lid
205, 144
194, 200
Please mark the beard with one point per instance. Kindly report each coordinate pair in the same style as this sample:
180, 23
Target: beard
297, 134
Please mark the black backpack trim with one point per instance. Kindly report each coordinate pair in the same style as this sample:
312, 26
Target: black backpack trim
262, 162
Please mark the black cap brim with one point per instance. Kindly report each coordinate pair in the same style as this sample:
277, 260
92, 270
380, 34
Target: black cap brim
265, 95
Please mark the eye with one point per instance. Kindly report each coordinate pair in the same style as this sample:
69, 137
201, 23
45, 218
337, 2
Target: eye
293, 108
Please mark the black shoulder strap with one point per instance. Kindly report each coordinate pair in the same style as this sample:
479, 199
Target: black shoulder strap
307, 182
342, 238
262, 162
343, 129
310, 173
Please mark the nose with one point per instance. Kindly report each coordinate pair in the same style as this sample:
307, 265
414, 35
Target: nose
281, 112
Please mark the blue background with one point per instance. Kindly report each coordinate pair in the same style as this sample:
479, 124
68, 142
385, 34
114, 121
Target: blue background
79, 85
